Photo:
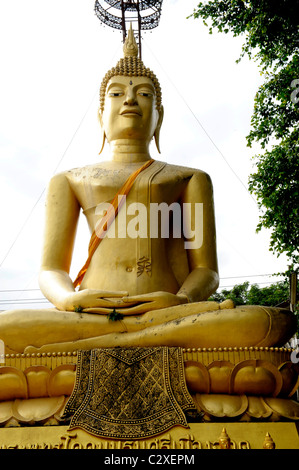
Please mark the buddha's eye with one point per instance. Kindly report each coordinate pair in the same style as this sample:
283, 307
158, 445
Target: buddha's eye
115, 93
147, 94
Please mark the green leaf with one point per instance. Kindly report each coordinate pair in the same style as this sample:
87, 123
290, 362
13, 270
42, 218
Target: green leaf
115, 316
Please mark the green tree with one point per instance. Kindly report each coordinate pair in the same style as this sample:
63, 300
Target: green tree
245, 294
238, 294
270, 31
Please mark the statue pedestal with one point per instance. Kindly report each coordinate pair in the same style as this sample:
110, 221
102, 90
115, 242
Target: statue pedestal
245, 396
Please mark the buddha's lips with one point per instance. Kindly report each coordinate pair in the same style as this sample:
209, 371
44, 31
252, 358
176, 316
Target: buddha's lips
131, 111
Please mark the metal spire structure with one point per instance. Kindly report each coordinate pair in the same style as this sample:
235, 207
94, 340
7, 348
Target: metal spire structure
119, 14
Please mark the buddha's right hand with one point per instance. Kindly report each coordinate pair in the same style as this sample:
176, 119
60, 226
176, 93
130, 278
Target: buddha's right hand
97, 300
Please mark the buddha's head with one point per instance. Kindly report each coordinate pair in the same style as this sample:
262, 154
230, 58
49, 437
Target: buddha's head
130, 99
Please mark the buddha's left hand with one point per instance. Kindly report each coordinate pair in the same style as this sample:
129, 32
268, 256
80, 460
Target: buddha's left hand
151, 301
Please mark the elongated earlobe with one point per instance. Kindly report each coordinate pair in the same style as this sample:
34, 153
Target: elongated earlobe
103, 135
103, 141
157, 140
158, 128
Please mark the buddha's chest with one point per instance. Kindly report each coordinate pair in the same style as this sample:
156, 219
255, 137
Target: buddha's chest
146, 189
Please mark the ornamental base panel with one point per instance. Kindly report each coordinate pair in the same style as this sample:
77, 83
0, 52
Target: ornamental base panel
246, 398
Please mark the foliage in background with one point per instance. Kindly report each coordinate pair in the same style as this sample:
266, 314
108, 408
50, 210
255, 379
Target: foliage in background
245, 294
270, 31
277, 294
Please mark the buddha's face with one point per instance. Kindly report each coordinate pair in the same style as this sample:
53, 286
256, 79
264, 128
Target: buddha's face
130, 109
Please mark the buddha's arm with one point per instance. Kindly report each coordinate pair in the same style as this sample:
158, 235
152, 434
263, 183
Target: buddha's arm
203, 279
58, 288
62, 214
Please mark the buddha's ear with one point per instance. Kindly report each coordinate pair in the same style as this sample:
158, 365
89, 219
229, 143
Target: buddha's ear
158, 128
103, 135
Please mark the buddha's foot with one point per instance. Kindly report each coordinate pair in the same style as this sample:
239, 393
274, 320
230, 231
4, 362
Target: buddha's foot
228, 303
50, 348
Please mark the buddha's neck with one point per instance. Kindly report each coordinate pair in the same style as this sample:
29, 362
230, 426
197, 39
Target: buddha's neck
129, 151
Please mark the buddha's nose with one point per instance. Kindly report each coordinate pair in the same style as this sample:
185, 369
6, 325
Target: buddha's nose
130, 98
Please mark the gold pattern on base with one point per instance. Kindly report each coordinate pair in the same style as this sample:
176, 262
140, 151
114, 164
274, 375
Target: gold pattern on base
130, 393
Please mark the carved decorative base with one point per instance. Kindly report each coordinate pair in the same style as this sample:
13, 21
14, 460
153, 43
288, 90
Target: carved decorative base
238, 384
212, 407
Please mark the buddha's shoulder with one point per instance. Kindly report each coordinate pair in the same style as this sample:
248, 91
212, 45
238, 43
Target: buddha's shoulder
184, 172
104, 170
86, 172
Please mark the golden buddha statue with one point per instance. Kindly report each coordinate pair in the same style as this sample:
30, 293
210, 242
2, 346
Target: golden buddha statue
151, 276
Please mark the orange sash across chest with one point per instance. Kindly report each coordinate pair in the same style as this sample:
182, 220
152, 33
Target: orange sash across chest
106, 221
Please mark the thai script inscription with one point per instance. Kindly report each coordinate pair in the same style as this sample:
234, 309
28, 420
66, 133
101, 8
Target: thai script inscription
185, 442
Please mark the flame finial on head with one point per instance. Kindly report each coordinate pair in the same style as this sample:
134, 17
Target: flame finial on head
130, 46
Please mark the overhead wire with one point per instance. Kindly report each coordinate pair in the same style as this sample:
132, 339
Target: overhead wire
202, 127
30, 300
222, 278
241, 255
54, 171
43, 191
41, 300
